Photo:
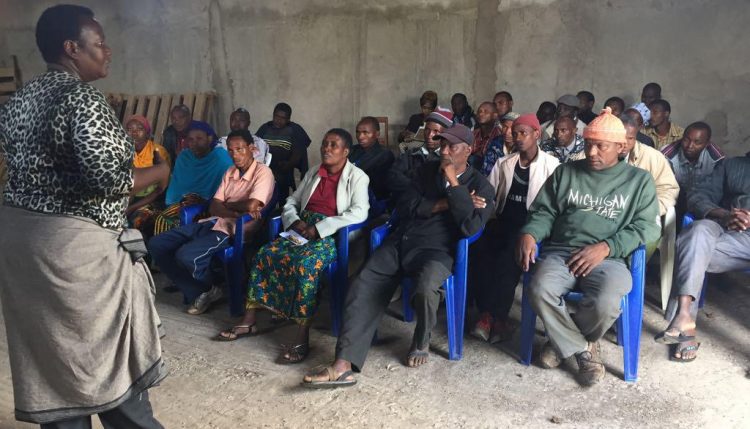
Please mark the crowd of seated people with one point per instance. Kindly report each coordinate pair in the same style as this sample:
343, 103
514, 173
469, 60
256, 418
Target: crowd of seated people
591, 188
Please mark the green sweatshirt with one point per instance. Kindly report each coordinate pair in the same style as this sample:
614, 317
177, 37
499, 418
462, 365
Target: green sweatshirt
578, 206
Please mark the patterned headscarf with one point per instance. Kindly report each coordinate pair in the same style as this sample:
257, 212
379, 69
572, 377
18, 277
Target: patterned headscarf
206, 128
141, 120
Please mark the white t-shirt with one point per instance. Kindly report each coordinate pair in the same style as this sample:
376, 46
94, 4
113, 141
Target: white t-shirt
262, 155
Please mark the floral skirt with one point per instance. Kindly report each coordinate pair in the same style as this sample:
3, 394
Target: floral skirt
169, 218
285, 277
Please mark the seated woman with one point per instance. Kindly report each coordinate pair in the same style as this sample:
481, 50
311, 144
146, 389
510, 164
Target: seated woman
147, 204
285, 276
196, 176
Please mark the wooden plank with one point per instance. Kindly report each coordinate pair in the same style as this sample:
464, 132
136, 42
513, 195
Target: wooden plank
115, 100
383, 121
153, 109
9, 86
189, 100
199, 109
140, 105
210, 108
7, 73
127, 105
162, 117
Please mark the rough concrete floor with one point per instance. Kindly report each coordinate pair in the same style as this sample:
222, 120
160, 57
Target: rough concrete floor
239, 385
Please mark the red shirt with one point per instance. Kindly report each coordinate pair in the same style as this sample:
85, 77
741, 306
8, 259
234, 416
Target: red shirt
323, 198
481, 143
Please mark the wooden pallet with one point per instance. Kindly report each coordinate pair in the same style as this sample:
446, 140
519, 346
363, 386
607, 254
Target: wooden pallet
10, 79
383, 139
156, 108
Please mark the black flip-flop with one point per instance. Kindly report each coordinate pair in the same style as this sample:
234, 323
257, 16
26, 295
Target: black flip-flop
680, 359
252, 330
340, 381
664, 337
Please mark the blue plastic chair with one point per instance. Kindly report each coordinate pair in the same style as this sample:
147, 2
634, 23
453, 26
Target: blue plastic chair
377, 207
231, 258
628, 324
337, 271
454, 286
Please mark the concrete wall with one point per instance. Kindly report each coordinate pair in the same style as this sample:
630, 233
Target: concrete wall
335, 61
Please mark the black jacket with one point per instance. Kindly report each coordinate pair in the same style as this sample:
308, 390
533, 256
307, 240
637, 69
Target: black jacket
404, 170
435, 235
375, 162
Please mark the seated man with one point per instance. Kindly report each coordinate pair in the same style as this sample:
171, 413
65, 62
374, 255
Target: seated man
287, 144
493, 273
546, 112
240, 120
592, 214
586, 102
661, 130
719, 242
184, 254
372, 157
405, 167
567, 105
639, 155
503, 101
617, 105
565, 144
693, 158
462, 113
488, 139
448, 200
636, 115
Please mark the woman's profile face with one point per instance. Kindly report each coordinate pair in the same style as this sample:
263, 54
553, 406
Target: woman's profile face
93, 55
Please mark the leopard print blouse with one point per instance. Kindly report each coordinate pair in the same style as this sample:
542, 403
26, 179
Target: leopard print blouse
66, 151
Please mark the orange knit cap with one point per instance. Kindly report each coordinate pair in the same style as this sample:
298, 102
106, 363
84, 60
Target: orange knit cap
606, 127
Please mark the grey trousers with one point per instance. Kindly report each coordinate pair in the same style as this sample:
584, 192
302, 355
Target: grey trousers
602, 291
705, 246
135, 413
371, 292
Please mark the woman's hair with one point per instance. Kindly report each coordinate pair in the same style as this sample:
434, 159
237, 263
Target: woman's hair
58, 24
344, 134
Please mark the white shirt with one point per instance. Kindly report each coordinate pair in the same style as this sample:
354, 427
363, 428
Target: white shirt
262, 155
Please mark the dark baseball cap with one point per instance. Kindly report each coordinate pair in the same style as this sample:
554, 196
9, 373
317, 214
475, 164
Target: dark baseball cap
457, 134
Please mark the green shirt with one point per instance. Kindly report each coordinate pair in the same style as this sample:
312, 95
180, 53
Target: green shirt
578, 206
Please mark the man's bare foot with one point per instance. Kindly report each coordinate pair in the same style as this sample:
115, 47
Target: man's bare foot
417, 358
682, 329
338, 368
685, 352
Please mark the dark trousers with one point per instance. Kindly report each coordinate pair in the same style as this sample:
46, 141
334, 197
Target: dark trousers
135, 413
184, 254
371, 292
493, 272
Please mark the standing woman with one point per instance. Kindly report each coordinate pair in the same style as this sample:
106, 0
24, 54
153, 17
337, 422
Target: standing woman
82, 329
